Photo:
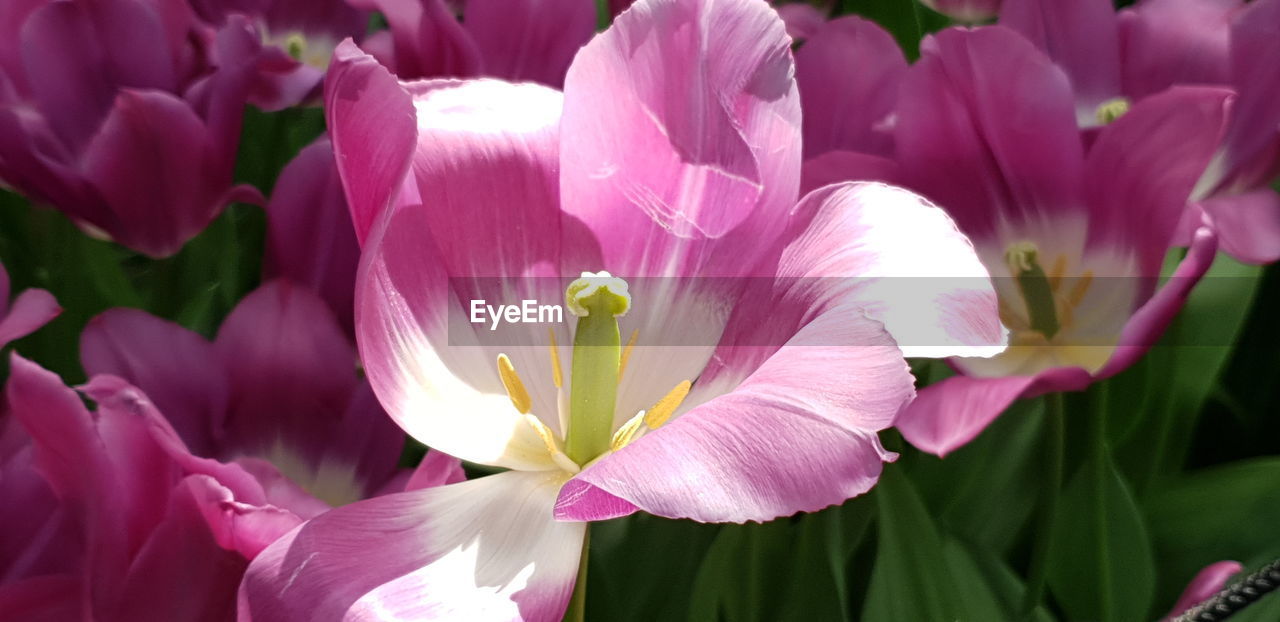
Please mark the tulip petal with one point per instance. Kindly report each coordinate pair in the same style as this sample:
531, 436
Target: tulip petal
1082, 37
178, 369
1142, 169
291, 371
947, 415
51, 598
848, 74
902, 260
310, 236
680, 127
486, 549
986, 130
371, 123
1168, 42
1151, 319
799, 434
151, 163
429, 261
837, 166
436, 469
802, 20
1248, 225
1209, 581
32, 309
428, 41
1255, 53
529, 40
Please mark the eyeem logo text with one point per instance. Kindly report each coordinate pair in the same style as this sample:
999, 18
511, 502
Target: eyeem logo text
527, 312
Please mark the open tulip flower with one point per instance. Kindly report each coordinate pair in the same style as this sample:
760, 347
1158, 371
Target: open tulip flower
644, 198
987, 128
1115, 60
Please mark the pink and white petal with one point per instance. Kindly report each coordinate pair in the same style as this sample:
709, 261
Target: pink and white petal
436, 469
837, 166
799, 434
1082, 37
529, 40
1153, 317
986, 129
1143, 167
899, 258
32, 309
310, 236
420, 352
848, 74
947, 415
291, 371
485, 549
1168, 42
681, 127
177, 368
1248, 225
1209, 581
371, 123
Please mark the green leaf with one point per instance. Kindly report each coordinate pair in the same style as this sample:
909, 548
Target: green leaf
984, 492
643, 567
907, 20
920, 574
1101, 565
1226, 512
787, 569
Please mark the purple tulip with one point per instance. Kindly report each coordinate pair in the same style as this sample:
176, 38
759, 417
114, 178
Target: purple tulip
32, 309
519, 40
1114, 60
966, 11
310, 238
986, 128
671, 154
1209, 581
298, 37
124, 114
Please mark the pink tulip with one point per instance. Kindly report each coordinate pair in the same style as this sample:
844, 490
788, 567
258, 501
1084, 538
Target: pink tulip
1114, 60
670, 154
124, 114
518, 40
298, 37
986, 128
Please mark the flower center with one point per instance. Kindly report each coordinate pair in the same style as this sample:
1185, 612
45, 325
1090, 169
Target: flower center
1049, 305
1112, 109
598, 363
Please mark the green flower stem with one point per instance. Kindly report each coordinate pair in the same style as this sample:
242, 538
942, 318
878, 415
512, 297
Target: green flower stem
577, 611
1054, 439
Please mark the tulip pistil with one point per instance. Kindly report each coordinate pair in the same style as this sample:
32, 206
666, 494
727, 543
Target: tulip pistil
598, 300
1036, 288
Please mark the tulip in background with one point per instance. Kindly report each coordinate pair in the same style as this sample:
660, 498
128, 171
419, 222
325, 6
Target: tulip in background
773, 425
986, 126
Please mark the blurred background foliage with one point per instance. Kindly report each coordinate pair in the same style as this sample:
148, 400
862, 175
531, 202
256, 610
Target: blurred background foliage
1168, 467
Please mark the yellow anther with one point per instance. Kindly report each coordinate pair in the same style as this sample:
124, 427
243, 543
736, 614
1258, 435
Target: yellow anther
556, 376
660, 412
1111, 110
1080, 289
515, 389
549, 440
627, 432
1057, 271
626, 352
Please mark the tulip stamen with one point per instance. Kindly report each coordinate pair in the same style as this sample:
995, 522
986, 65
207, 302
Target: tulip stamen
659, 413
515, 388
